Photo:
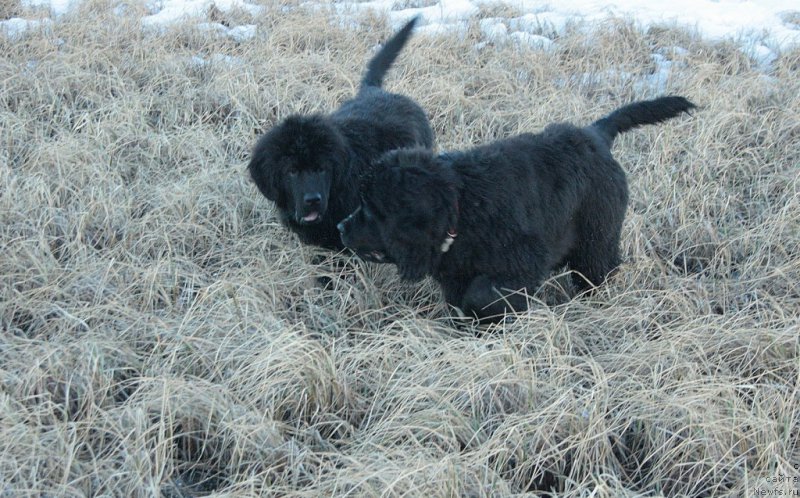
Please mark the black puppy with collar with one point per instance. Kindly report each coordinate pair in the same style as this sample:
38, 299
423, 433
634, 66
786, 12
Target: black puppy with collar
309, 165
490, 223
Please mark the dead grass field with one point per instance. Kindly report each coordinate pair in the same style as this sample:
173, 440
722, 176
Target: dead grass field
162, 334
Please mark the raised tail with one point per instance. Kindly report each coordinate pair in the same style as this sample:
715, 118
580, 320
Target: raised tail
378, 65
641, 113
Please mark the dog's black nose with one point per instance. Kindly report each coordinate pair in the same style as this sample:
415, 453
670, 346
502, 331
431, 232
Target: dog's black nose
312, 199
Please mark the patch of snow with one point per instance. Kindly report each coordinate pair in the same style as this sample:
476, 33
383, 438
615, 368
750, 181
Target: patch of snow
172, 11
715, 19
547, 22
213, 27
437, 28
444, 11
494, 30
527, 40
15, 28
214, 60
656, 83
236, 33
56, 7
761, 54
242, 33
762, 28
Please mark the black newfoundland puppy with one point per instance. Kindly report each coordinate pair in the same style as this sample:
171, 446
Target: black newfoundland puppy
492, 221
309, 165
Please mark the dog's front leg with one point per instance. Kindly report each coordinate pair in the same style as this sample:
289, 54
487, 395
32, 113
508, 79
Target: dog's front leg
489, 299
413, 262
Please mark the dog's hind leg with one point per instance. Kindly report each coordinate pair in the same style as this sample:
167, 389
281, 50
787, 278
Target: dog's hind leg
596, 253
592, 265
598, 225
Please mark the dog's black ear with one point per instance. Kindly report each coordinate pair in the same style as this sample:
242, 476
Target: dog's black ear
263, 174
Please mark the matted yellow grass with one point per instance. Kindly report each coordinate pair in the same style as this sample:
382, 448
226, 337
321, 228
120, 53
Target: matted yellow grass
162, 334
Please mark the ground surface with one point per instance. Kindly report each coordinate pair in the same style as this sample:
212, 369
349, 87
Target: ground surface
163, 334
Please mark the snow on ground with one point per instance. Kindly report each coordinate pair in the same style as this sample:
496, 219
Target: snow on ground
236, 33
16, 27
715, 19
57, 7
171, 11
761, 27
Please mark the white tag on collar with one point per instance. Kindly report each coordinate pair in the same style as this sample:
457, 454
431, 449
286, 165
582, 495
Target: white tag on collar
447, 243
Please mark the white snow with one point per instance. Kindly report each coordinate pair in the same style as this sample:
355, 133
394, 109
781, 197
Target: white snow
172, 11
762, 28
214, 60
57, 7
495, 31
523, 40
16, 27
768, 21
237, 33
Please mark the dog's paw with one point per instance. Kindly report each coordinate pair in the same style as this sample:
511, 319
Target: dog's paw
490, 300
480, 294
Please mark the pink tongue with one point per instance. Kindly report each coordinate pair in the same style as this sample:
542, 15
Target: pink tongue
311, 216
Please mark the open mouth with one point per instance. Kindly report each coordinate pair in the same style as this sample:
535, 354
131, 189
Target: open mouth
311, 217
374, 256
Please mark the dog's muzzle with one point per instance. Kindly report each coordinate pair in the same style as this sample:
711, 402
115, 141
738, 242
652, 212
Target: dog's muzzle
373, 255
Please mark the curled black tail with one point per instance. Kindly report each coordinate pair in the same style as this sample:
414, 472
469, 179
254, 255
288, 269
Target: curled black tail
641, 113
378, 65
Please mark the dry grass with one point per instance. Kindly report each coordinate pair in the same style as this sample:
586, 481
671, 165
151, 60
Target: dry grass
162, 334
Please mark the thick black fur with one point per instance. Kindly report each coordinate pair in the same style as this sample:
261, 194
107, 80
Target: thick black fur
507, 213
309, 165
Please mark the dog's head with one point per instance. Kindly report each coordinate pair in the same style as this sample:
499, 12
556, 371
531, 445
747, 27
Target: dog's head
408, 206
294, 165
